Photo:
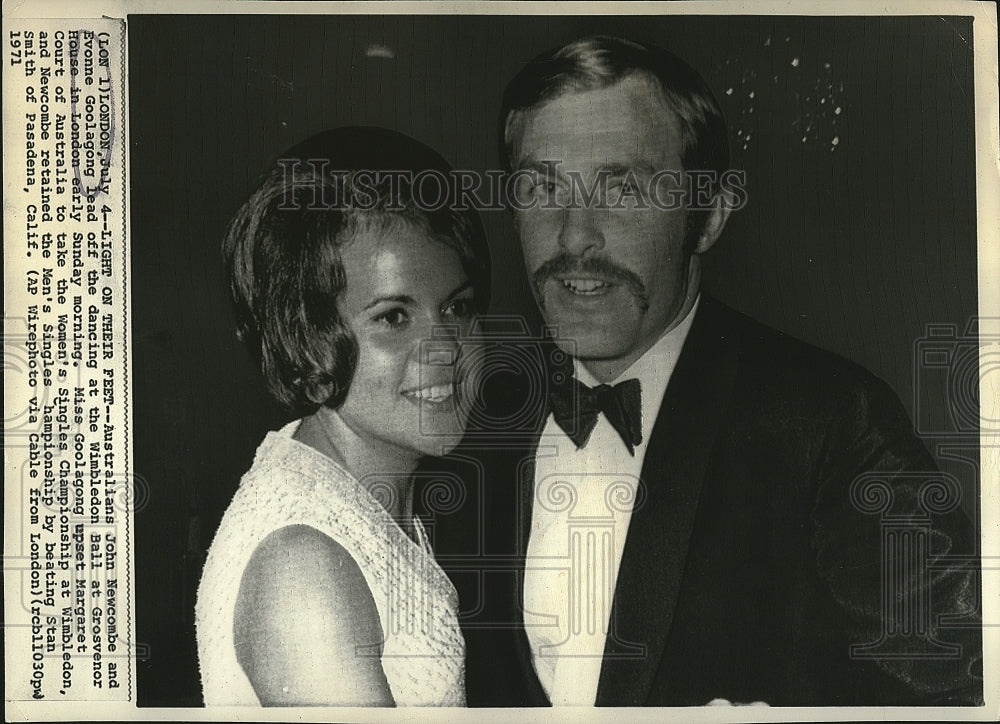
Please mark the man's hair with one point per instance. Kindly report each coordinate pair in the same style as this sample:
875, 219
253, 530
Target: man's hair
282, 252
601, 61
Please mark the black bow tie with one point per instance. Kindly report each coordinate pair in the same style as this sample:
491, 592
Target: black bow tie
575, 408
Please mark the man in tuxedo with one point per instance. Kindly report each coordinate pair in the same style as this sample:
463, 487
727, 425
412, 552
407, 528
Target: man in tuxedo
684, 506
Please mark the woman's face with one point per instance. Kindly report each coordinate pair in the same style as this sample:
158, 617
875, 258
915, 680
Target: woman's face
401, 286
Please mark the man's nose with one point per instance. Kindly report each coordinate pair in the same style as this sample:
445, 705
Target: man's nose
580, 232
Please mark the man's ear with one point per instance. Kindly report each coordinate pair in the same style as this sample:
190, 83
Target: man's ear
715, 222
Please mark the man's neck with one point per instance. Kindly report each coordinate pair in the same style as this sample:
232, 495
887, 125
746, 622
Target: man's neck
608, 370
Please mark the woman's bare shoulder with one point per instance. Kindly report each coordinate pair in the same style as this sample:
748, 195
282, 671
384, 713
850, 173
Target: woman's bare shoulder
299, 560
307, 629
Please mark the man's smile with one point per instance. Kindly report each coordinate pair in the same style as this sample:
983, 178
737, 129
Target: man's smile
586, 287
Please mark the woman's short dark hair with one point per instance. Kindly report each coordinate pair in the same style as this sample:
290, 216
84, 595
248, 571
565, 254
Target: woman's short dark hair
282, 251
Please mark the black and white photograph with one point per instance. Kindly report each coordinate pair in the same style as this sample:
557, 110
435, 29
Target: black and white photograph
622, 355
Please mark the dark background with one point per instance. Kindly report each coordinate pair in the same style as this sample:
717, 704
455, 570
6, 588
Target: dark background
858, 234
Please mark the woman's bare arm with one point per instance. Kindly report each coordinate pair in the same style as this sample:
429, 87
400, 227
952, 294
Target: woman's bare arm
307, 631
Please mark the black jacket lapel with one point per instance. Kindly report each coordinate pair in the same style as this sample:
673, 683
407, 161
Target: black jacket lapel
677, 457
521, 467
534, 692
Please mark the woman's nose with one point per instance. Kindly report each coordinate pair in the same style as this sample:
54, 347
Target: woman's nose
441, 348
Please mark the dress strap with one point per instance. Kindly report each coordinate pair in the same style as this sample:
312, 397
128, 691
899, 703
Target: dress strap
422, 539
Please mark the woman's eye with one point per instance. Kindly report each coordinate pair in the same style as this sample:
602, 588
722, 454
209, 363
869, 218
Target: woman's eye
393, 318
460, 308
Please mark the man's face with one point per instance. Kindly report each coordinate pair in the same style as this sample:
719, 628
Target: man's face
613, 279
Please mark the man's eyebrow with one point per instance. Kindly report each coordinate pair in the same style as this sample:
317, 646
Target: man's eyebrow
543, 166
392, 299
638, 168
613, 170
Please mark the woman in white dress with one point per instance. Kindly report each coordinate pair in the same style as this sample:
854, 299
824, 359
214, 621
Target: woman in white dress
352, 290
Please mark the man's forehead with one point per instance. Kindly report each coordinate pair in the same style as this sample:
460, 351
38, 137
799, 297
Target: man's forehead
624, 123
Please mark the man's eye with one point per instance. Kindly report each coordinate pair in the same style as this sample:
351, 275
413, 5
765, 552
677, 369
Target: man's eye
624, 191
533, 186
393, 318
624, 186
543, 187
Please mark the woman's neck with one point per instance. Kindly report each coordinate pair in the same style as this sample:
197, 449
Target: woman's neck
385, 470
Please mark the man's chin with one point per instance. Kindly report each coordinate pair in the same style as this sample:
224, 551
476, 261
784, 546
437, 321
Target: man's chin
586, 343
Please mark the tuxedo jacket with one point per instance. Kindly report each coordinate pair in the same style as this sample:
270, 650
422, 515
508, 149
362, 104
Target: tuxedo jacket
792, 543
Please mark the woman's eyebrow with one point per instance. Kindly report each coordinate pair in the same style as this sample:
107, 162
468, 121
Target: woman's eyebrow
392, 299
408, 300
459, 289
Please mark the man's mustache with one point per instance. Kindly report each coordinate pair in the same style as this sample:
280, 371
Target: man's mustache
565, 265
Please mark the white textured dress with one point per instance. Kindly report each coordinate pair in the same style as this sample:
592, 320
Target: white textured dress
290, 483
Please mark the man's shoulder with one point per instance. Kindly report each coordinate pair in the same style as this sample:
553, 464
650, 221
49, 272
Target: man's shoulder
777, 376
768, 354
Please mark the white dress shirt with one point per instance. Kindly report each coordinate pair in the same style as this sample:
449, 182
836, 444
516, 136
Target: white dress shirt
580, 516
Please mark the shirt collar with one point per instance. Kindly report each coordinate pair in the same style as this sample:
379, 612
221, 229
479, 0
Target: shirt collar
653, 369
